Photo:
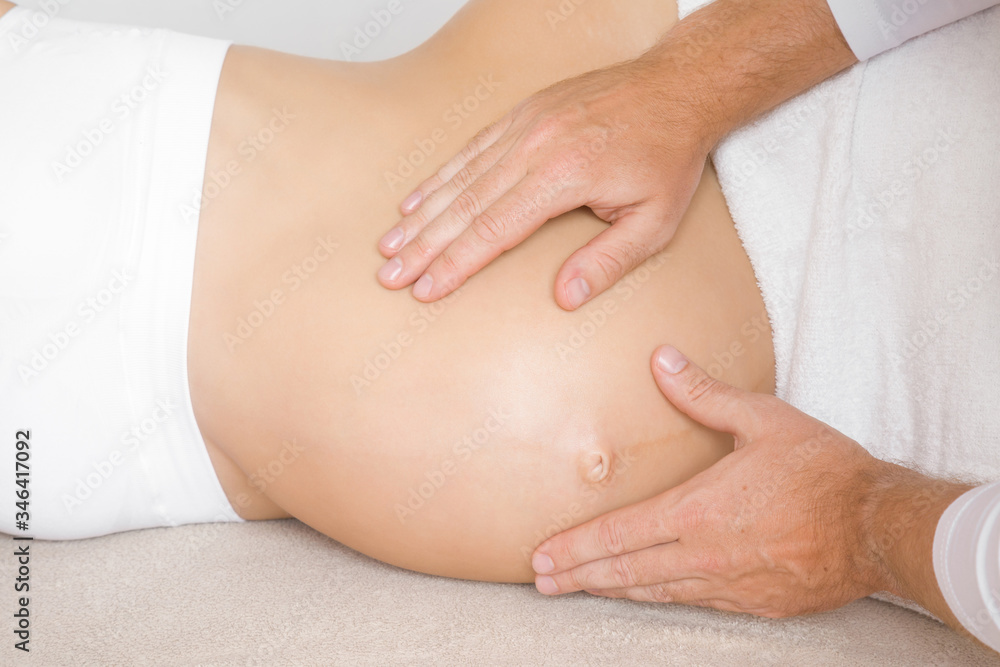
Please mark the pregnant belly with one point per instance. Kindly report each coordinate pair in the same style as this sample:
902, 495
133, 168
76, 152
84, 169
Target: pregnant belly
447, 438
453, 438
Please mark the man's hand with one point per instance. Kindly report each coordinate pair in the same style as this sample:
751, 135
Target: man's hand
798, 519
610, 139
629, 141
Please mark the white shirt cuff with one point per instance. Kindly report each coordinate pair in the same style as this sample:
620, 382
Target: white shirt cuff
873, 26
967, 561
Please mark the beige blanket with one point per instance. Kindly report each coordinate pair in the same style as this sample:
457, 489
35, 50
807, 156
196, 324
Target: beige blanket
279, 593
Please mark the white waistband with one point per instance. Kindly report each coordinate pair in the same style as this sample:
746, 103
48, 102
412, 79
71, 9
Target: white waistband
106, 132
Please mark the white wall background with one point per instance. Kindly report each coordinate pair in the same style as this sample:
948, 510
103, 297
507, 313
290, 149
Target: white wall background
318, 28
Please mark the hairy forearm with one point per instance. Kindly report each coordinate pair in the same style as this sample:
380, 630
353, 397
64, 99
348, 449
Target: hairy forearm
901, 509
736, 59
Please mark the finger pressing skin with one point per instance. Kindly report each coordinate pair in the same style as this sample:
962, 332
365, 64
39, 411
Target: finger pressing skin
608, 257
474, 187
505, 224
466, 196
708, 401
644, 567
412, 261
638, 526
479, 143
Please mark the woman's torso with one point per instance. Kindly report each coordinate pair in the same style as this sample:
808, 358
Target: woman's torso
447, 438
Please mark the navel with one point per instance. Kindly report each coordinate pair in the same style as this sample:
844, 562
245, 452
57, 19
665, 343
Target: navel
596, 466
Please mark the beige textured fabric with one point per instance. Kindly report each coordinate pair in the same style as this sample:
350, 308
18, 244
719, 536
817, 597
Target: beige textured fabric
279, 593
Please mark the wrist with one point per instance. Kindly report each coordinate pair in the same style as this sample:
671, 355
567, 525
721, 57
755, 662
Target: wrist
899, 511
736, 59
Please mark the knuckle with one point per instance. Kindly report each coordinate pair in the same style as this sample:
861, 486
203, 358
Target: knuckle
416, 220
623, 572
577, 579
632, 254
690, 515
545, 128
480, 139
563, 171
422, 248
489, 228
492, 132
702, 387
619, 259
716, 514
467, 205
474, 147
661, 593
610, 265
463, 178
611, 536
451, 261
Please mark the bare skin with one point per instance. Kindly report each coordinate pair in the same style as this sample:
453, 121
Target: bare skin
548, 467
496, 419
835, 524
725, 64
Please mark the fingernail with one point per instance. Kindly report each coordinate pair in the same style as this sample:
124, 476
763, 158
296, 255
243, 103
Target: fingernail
411, 203
578, 291
669, 360
422, 289
391, 270
542, 564
546, 585
394, 239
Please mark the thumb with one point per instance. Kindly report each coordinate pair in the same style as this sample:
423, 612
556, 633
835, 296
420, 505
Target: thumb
708, 401
610, 255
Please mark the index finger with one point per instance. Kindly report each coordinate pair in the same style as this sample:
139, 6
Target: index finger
506, 223
639, 526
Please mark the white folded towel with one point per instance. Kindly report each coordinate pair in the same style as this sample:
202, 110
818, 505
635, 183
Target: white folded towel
870, 209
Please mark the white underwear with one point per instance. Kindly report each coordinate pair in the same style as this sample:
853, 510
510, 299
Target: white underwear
105, 134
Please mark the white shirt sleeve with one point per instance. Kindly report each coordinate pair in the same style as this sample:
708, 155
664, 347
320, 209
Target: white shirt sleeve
967, 561
873, 26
